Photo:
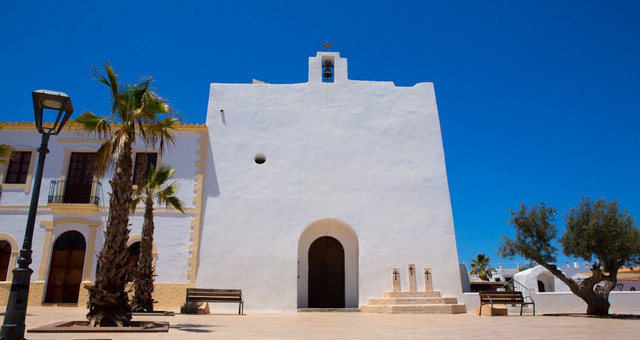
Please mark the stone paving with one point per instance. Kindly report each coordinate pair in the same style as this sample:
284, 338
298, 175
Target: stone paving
319, 325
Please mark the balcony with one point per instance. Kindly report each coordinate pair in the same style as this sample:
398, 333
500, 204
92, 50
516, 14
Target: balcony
75, 192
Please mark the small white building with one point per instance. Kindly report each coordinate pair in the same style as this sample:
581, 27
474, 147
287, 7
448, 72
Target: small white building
539, 280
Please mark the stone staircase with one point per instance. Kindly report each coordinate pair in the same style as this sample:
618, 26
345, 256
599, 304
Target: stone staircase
422, 302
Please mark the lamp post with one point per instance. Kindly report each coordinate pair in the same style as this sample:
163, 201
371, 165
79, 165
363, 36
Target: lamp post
13, 326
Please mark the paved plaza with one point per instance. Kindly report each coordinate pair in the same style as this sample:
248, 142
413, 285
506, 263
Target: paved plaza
334, 325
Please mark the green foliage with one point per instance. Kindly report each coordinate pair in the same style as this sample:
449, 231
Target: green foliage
480, 266
596, 231
600, 233
157, 188
534, 232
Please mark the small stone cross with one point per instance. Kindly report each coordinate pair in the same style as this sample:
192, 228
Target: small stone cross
412, 278
395, 279
327, 45
427, 280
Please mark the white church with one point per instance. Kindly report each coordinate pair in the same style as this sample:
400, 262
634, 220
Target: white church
302, 195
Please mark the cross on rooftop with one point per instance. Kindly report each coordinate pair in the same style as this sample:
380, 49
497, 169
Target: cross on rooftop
327, 45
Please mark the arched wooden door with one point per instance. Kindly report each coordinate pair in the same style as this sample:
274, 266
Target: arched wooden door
65, 272
5, 259
326, 273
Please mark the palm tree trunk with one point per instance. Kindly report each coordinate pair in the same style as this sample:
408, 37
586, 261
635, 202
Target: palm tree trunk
143, 279
108, 301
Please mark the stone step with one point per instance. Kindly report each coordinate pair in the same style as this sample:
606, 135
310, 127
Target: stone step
413, 301
458, 308
391, 295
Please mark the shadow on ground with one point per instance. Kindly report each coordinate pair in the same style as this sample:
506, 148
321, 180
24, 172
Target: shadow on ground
610, 316
193, 328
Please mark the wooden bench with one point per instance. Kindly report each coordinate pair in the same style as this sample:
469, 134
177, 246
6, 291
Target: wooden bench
505, 298
216, 295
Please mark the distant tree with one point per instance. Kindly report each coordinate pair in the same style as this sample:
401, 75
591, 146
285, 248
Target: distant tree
480, 266
155, 189
529, 265
596, 232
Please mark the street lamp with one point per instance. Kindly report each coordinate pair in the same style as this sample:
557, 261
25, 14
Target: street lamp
13, 326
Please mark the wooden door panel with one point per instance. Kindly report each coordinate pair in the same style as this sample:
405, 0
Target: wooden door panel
65, 272
326, 274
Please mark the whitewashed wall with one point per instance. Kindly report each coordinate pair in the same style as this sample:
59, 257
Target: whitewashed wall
550, 303
366, 153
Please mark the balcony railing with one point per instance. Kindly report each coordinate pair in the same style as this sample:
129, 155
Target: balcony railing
75, 191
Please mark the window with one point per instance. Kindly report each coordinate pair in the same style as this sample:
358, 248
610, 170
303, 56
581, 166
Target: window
144, 160
18, 168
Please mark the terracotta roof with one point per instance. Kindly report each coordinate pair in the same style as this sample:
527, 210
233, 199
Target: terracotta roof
625, 274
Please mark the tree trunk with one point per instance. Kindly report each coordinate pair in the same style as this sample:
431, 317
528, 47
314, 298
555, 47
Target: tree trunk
108, 301
143, 279
596, 296
599, 307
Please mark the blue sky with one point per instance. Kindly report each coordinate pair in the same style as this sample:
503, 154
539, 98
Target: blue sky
538, 100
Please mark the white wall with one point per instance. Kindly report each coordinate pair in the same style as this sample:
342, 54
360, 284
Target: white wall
550, 303
366, 153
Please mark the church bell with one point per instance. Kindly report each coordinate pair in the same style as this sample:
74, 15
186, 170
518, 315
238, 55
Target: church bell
327, 69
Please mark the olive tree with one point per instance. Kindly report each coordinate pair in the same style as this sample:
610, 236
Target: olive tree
597, 232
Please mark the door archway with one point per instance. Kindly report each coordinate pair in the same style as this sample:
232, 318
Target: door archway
346, 238
65, 271
326, 273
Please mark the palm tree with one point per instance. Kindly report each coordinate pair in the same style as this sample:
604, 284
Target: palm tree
155, 189
5, 151
480, 266
135, 113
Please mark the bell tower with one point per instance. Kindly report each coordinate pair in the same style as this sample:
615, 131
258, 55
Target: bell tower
327, 67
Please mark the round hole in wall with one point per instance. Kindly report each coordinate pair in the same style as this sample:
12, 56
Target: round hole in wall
260, 158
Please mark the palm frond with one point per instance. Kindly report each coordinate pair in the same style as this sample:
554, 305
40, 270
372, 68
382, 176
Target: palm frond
102, 160
93, 125
176, 203
162, 132
160, 175
5, 153
134, 201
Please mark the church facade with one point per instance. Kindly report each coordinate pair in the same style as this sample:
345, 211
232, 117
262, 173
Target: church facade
302, 195
316, 190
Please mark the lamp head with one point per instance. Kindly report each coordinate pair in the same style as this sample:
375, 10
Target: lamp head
51, 100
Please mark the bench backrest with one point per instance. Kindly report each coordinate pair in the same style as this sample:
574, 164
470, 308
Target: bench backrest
213, 291
200, 293
496, 297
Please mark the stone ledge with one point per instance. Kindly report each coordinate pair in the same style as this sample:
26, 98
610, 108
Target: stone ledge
82, 327
459, 308
390, 295
413, 301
